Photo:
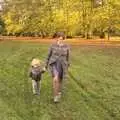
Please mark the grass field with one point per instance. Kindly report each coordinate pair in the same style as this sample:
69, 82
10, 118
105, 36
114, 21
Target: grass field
93, 93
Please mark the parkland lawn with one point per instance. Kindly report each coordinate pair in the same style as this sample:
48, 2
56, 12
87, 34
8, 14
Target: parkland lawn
91, 92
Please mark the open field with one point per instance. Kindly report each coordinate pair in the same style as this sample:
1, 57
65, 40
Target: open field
92, 92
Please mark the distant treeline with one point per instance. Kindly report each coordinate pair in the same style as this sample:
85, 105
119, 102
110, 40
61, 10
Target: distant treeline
85, 18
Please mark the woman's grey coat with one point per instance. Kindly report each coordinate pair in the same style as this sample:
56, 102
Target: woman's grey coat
60, 53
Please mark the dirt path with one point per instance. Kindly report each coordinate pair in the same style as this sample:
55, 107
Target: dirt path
74, 41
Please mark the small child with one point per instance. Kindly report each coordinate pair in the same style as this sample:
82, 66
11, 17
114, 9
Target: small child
35, 73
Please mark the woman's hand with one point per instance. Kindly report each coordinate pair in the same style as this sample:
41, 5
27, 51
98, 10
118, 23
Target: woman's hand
68, 64
44, 69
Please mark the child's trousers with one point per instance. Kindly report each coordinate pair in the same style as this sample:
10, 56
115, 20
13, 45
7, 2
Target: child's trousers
36, 85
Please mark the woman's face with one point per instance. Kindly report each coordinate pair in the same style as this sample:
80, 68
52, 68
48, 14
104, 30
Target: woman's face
60, 40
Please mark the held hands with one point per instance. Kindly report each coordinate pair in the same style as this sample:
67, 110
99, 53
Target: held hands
68, 64
44, 69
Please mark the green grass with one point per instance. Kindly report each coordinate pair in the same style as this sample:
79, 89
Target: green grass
92, 94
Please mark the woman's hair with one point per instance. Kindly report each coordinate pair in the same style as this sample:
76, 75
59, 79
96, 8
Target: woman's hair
59, 34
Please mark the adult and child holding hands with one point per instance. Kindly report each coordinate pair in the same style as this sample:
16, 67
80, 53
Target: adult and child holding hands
57, 62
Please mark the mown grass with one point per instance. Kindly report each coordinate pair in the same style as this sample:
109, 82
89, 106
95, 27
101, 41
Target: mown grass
92, 92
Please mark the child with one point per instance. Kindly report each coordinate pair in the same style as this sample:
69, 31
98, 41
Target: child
35, 73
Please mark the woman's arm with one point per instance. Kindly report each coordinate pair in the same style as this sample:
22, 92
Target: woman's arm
68, 56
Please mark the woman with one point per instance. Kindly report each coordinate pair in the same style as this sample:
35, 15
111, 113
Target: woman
58, 62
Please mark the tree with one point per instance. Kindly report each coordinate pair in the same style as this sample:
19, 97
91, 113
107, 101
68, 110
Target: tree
75, 17
2, 26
